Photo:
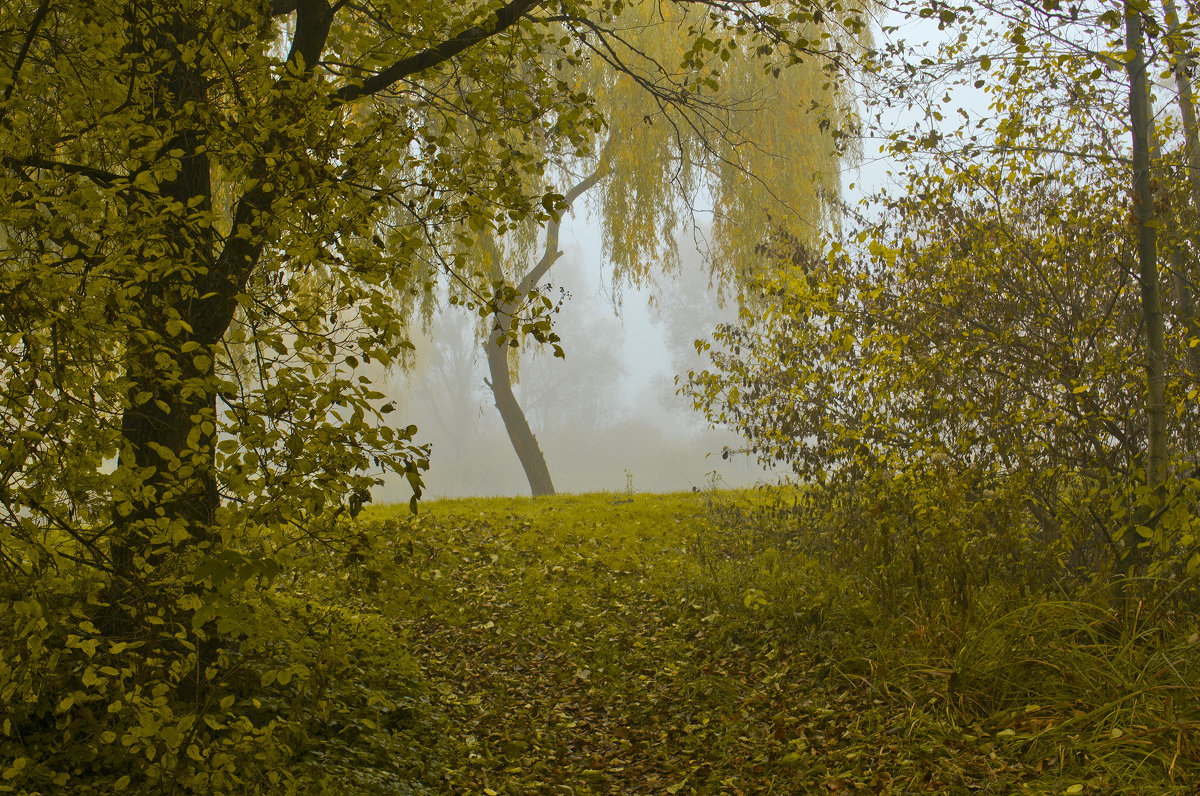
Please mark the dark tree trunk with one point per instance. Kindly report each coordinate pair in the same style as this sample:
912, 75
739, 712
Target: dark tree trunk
533, 461
187, 300
523, 441
169, 424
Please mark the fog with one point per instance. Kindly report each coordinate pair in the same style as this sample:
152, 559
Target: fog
607, 417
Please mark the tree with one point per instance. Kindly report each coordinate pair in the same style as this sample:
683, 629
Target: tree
1142, 133
447, 397
209, 212
1181, 67
983, 332
763, 143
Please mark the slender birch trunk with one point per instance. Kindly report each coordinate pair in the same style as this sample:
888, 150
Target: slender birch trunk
1184, 288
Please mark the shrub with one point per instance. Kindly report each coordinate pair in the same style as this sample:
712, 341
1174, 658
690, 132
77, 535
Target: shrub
303, 693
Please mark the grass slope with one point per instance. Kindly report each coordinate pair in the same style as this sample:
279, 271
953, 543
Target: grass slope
611, 644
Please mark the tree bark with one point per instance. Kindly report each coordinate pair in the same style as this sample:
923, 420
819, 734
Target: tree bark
170, 498
168, 426
524, 443
533, 461
1148, 280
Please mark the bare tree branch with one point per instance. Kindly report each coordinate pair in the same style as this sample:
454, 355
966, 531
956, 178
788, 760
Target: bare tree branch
29, 37
506, 17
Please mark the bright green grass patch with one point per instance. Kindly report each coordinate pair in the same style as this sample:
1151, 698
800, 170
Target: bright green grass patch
702, 643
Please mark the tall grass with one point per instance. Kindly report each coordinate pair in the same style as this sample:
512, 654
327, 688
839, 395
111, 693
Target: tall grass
962, 613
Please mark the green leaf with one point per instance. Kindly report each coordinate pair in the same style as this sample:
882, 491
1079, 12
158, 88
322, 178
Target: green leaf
203, 615
13, 770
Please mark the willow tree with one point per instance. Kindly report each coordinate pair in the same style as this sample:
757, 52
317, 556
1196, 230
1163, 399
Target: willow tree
759, 129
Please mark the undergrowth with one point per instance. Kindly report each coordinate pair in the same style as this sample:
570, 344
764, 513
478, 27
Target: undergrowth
312, 693
985, 630
772, 641
737, 642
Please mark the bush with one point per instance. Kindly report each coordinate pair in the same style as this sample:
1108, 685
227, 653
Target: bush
302, 695
940, 595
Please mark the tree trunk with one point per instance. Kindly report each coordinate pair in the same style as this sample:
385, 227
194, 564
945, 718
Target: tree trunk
1148, 280
1184, 290
523, 441
168, 426
166, 506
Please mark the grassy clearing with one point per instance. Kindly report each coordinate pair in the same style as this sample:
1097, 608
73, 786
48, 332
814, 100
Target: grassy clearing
673, 644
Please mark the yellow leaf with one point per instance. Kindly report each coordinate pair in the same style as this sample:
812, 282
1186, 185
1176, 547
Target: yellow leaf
17, 766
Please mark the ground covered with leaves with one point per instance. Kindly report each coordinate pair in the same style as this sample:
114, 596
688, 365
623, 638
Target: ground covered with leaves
652, 644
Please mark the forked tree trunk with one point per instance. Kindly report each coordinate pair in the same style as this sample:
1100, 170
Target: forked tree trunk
168, 434
169, 497
524, 443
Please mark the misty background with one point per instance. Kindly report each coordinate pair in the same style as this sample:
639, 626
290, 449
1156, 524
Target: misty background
607, 417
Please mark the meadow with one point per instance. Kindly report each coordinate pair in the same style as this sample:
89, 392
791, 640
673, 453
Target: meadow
733, 643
